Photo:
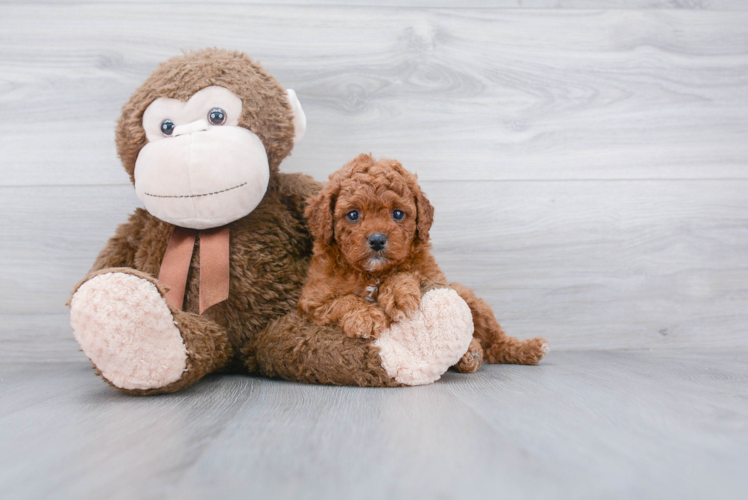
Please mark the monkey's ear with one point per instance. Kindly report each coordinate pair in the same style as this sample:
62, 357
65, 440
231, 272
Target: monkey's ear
299, 118
319, 213
425, 214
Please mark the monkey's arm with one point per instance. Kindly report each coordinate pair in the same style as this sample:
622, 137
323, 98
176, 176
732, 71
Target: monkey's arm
119, 253
295, 190
120, 249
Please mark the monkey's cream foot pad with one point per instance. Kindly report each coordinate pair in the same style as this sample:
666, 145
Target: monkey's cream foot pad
126, 329
420, 349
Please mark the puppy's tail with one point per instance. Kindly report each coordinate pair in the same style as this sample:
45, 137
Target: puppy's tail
497, 346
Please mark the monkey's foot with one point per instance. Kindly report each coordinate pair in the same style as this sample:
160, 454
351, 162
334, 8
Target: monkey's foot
419, 349
126, 329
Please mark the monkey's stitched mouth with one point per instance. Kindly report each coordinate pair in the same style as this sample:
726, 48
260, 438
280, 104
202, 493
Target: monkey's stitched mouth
195, 195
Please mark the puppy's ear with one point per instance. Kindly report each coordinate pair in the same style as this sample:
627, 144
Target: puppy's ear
425, 213
319, 212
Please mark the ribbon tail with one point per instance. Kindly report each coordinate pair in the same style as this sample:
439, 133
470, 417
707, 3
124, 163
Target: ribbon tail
176, 265
214, 267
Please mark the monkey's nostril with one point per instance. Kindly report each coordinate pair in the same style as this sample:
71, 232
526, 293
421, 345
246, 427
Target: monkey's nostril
377, 241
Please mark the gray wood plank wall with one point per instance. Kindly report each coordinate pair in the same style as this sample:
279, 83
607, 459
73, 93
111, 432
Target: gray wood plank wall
492, 4
588, 167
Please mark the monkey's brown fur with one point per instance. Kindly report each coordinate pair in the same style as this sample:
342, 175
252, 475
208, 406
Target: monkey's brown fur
346, 271
257, 329
265, 109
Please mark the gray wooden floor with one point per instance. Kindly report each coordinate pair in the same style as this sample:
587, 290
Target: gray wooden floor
581, 425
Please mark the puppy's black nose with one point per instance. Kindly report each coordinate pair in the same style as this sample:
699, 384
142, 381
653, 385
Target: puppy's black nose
377, 241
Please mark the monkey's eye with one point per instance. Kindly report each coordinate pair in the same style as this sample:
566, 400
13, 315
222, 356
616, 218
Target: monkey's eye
398, 215
216, 116
167, 127
352, 216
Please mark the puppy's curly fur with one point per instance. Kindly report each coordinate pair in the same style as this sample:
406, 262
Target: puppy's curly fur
372, 261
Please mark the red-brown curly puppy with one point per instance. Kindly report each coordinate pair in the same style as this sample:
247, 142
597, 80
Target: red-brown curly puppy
372, 261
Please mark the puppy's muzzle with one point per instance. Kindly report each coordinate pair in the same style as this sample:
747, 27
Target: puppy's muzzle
377, 241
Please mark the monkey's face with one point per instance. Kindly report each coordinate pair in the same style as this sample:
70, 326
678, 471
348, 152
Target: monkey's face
200, 169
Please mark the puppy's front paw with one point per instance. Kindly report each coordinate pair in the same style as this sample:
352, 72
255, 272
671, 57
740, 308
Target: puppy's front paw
401, 302
364, 324
429, 285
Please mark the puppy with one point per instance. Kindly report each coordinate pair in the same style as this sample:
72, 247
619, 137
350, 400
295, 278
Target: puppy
372, 261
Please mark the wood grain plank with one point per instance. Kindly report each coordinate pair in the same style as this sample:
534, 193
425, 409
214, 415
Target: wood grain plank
588, 265
95, 442
610, 264
23, 385
459, 94
593, 418
39, 337
409, 443
483, 4
581, 425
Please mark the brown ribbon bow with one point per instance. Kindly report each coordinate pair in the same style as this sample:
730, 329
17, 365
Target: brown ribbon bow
214, 265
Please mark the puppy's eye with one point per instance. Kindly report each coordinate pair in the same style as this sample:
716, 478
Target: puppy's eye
216, 116
352, 216
398, 214
167, 127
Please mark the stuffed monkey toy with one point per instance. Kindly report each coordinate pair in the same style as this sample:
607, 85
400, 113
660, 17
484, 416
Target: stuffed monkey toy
207, 277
